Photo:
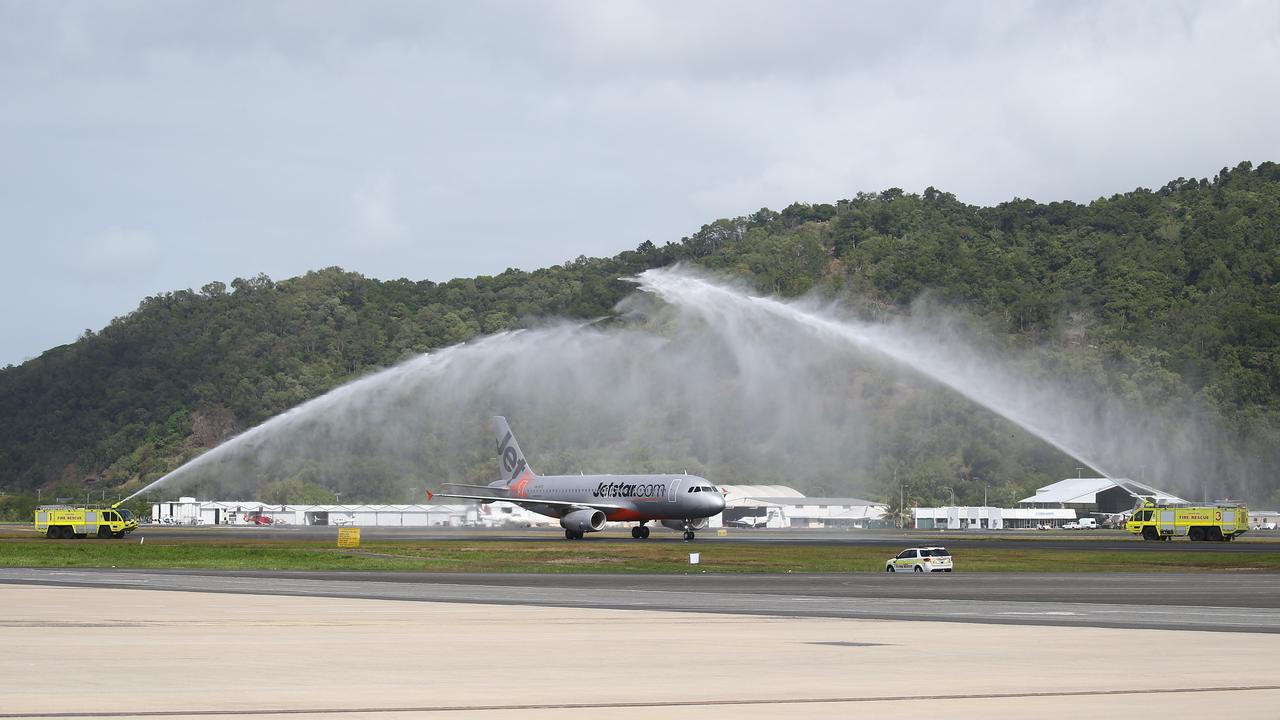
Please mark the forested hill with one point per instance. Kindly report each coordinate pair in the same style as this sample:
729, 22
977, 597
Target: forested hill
1177, 288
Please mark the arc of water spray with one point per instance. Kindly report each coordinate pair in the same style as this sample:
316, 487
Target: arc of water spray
430, 362
681, 288
721, 304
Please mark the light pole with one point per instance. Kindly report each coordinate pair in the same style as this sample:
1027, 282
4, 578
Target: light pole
337, 498
902, 506
953, 495
1078, 471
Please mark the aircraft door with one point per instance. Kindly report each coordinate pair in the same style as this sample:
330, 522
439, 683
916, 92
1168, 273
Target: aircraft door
673, 490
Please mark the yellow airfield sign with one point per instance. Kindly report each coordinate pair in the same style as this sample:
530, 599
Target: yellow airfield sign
349, 537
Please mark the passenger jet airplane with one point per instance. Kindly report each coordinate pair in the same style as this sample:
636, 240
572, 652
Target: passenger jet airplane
585, 502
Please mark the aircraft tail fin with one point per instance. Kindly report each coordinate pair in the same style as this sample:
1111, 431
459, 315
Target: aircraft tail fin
511, 462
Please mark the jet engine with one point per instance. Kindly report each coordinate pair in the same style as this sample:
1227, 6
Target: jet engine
698, 524
583, 521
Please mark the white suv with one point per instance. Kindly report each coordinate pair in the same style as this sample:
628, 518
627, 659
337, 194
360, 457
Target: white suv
925, 559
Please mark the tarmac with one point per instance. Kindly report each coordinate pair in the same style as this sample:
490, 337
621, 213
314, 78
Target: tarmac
1223, 602
106, 652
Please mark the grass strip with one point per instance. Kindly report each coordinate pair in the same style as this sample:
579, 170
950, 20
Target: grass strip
589, 556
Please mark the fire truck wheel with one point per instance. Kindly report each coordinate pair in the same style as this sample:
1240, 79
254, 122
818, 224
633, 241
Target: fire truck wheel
104, 532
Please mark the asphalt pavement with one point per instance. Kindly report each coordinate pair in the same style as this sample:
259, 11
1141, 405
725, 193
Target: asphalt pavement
1184, 601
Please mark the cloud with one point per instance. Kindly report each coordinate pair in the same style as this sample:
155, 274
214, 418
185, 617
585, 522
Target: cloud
115, 252
441, 140
376, 223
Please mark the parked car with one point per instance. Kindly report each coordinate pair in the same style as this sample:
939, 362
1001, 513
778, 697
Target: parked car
921, 559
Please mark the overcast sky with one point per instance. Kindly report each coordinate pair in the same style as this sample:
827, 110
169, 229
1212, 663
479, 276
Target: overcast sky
153, 146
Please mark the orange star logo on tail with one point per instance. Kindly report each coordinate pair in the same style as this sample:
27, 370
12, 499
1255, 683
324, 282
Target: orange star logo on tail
520, 487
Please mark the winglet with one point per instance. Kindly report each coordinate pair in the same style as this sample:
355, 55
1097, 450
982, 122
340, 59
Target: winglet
430, 495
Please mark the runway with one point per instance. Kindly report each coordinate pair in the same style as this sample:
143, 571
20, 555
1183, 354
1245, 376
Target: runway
888, 539
1248, 603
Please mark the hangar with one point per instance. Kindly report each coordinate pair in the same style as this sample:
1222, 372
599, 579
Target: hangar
1096, 495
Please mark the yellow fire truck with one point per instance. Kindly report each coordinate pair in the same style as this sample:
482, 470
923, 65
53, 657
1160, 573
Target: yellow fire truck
70, 521
1199, 523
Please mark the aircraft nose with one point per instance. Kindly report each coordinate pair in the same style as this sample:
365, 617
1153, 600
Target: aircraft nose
717, 502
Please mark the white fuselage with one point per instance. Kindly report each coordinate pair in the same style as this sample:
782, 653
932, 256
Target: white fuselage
633, 497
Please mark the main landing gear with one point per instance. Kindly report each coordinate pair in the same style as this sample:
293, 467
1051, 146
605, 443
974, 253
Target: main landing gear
572, 535
639, 532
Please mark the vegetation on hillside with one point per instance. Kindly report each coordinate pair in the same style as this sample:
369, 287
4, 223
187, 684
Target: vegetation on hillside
1165, 295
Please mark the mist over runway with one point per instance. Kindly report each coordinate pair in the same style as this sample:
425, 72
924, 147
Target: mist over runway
700, 375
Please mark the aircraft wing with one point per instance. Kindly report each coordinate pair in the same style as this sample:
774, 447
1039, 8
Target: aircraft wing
523, 501
490, 488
